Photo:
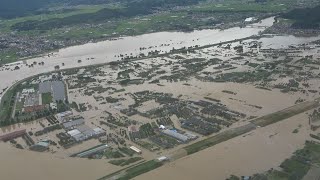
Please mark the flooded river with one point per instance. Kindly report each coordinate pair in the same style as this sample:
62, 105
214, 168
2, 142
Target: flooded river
103, 52
107, 51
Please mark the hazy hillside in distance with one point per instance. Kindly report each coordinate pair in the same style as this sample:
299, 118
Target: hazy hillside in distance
305, 18
17, 8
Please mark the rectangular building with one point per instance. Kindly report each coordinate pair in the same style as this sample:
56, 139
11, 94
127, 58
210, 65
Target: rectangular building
12, 135
73, 123
135, 149
176, 135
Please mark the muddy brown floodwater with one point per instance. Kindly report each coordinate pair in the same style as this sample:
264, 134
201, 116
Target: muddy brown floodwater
254, 152
21, 164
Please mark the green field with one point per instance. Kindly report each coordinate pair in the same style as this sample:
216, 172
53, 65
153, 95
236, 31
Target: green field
46, 98
247, 6
284, 114
221, 137
6, 24
6, 107
124, 162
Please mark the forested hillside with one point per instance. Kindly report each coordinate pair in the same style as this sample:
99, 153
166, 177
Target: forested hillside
130, 9
305, 18
17, 8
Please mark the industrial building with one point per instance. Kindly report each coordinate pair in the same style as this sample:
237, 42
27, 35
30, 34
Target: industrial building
77, 135
73, 123
99, 132
84, 132
62, 116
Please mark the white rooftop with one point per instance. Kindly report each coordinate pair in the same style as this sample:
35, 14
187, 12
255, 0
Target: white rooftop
74, 132
249, 19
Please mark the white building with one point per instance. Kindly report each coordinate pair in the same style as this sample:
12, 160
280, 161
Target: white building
27, 91
135, 149
249, 19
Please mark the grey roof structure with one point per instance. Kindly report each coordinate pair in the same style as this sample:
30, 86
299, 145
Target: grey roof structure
58, 91
79, 137
45, 87
93, 150
70, 124
56, 88
86, 131
176, 135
